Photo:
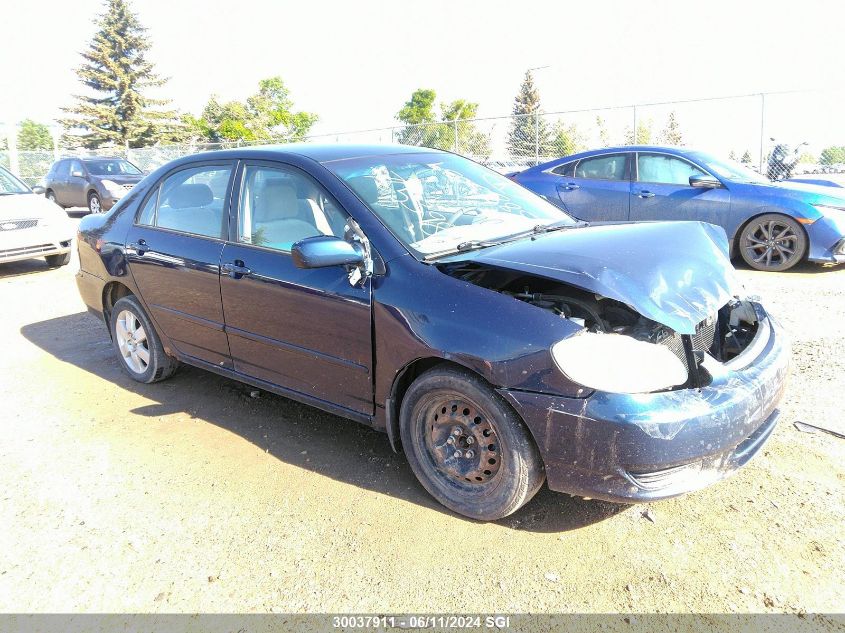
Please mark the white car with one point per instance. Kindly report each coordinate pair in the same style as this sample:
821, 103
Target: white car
31, 226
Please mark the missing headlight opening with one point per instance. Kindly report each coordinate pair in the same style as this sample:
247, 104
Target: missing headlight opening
723, 335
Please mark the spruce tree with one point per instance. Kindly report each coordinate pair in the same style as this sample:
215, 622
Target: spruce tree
529, 132
116, 70
671, 134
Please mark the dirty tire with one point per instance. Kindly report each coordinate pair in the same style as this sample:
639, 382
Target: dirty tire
156, 365
444, 402
58, 260
772, 242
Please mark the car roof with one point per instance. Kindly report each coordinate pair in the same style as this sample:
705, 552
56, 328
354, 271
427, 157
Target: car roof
666, 149
316, 151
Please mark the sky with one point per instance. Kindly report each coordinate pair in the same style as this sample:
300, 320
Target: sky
356, 63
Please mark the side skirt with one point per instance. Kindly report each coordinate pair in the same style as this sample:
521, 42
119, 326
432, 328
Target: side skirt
281, 391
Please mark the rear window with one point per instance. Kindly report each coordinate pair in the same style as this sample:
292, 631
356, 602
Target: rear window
567, 169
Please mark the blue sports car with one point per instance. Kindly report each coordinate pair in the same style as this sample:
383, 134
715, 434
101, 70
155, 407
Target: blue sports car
771, 225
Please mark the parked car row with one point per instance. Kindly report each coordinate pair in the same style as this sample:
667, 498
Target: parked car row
772, 225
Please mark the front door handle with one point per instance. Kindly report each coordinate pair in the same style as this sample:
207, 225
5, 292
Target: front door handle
235, 269
140, 247
645, 194
570, 186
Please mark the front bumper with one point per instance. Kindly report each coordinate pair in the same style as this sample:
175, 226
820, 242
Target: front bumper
38, 241
827, 237
643, 447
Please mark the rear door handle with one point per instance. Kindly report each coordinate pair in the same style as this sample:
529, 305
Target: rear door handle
645, 194
235, 269
140, 247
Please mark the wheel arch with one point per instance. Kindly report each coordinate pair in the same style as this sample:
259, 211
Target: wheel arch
113, 291
403, 380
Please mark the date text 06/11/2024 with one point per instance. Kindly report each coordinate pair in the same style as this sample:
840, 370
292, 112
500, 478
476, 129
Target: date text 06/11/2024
420, 621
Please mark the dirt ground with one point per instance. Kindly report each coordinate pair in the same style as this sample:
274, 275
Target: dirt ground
192, 496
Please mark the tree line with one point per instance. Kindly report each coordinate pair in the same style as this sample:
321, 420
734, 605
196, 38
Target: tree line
118, 111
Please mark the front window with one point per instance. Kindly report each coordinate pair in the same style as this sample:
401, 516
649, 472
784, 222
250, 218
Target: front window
666, 170
112, 167
731, 170
436, 203
10, 185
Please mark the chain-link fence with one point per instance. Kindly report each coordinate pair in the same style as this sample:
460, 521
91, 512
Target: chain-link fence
778, 134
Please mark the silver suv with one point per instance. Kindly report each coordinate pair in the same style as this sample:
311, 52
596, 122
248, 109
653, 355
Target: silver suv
97, 183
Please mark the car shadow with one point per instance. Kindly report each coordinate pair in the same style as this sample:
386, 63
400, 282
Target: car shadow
804, 268
24, 267
294, 433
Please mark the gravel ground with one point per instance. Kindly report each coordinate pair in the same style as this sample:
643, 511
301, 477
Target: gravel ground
192, 496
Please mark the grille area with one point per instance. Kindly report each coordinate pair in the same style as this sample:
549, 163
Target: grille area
702, 341
17, 225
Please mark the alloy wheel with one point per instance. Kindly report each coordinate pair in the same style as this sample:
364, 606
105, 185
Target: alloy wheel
771, 243
94, 204
132, 341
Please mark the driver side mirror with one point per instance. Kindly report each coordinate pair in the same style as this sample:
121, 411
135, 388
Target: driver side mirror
38, 189
704, 182
325, 250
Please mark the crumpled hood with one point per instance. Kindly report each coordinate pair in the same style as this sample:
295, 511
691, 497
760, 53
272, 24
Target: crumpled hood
675, 273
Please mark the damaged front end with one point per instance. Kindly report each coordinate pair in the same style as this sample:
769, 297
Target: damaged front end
681, 375
617, 349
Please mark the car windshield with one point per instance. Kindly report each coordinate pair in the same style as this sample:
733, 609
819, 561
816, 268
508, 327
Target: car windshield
731, 170
112, 168
440, 203
10, 185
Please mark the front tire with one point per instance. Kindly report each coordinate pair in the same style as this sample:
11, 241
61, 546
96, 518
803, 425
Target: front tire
467, 447
95, 205
772, 242
138, 348
58, 260
51, 196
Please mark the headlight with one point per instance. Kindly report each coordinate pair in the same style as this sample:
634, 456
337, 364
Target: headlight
113, 188
617, 363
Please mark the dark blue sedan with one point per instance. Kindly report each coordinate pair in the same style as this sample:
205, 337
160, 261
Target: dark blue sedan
771, 225
497, 340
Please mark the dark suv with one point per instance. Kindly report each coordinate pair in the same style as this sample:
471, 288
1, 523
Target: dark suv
96, 183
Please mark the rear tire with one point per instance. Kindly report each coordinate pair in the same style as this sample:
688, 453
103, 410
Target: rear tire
58, 260
138, 347
772, 242
467, 447
95, 205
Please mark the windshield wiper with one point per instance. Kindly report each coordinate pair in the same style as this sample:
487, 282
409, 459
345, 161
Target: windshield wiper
469, 245
557, 226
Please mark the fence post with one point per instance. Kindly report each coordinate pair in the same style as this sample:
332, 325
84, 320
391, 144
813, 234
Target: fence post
635, 125
56, 135
14, 165
536, 137
455, 144
762, 127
